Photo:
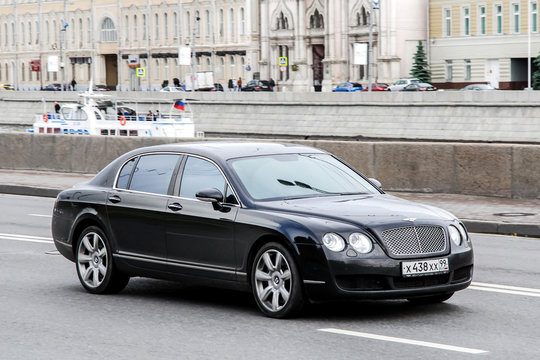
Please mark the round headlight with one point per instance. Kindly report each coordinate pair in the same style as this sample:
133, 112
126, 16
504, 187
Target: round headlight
463, 232
455, 236
333, 242
360, 243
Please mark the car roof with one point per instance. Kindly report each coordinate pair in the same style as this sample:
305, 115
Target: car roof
225, 150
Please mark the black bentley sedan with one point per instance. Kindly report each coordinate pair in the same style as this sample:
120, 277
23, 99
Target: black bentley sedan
290, 223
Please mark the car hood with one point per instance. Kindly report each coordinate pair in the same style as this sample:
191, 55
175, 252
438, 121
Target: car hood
367, 210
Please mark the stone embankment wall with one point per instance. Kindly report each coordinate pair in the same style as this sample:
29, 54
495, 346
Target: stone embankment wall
501, 170
465, 116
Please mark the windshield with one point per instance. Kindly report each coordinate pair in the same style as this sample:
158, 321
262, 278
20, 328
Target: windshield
288, 176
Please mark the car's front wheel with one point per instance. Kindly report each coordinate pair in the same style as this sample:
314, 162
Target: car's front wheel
94, 263
276, 282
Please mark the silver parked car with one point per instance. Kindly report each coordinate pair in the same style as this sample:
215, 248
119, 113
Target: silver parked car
401, 83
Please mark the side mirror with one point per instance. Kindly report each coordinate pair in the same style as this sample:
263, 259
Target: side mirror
375, 182
210, 195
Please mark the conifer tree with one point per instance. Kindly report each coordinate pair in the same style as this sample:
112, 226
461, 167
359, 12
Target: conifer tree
536, 74
420, 67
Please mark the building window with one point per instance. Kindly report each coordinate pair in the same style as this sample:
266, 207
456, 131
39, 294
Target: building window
156, 26
221, 26
29, 33
22, 33
108, 31
231, 22
89, 33
176, 32
80, 33
534, 17
165, 26
467, 69
515, 17
55, 32
207, 22
449, 70
282, 22
242, 21
197, 23
188, 23
316, 20
145, 27
135, 27
466, 21
22, 72
482, 20
447, 22
38, 33
498, 19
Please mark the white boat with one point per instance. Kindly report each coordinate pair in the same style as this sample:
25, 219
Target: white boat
99, 114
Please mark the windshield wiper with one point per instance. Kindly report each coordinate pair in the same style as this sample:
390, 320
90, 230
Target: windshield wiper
303, 185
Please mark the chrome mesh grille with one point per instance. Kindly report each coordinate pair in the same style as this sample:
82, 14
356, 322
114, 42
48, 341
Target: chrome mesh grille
414, 240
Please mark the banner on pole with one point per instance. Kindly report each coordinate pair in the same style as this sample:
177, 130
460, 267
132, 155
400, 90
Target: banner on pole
360, 53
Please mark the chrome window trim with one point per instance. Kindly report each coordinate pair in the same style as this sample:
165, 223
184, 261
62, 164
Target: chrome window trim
240, 205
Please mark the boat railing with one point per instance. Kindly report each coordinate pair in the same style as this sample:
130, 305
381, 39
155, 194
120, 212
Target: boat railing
144, 117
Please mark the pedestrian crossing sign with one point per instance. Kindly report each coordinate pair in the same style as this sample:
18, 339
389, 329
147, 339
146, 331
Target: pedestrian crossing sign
282, 61
141, 72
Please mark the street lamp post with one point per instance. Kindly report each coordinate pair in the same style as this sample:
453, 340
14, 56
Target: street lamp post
193, 54
374, 4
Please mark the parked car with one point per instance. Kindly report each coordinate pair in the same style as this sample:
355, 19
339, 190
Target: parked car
419, 87
6, 87
478, 87
216, 87
401, 83
376, 87
100, 88
52, 87
171, 89
257, 85
289, 223
347, 87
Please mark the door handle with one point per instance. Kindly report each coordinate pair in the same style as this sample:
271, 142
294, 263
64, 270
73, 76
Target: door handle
175, 206
114, 199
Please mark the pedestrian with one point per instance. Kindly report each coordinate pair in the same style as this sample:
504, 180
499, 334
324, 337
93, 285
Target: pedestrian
176, 82
235, 84
230, 85
56, 107
150, 116
157, 114
272, 84
239, 83
73, 84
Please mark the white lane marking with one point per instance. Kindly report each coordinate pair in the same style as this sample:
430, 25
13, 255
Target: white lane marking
404, 341
505, 287
502, 291
27, 238
40, 215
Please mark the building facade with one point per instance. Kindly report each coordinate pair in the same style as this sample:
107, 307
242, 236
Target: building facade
57, 41
486, 41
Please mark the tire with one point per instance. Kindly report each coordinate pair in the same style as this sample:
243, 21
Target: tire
276, 282
94, 263
431, 299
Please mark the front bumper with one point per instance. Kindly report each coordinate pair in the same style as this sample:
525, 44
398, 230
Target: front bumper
328, 275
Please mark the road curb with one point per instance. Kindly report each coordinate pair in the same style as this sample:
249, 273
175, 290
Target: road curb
29, 191
494, 227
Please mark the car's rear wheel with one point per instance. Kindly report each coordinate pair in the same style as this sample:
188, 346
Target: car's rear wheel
431, 299
276, 282
94, 262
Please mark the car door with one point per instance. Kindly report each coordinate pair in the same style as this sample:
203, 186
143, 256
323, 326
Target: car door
137, 206
200, 235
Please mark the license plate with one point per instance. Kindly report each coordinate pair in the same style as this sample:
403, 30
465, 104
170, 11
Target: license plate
424, 267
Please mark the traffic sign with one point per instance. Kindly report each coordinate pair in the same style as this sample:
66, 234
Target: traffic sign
141, 72
282, 68
282, 61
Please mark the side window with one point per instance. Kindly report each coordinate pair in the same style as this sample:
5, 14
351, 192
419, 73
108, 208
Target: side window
198, 175
125, 174
153, 173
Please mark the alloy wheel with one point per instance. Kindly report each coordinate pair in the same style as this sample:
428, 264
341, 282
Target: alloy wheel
273, 280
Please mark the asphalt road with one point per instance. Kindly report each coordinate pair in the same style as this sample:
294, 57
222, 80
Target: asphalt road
45, 313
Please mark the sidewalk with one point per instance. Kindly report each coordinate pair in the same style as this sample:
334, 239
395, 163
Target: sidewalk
479, 213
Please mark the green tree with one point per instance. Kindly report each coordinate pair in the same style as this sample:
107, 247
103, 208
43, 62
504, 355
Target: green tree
536, 74
420, 68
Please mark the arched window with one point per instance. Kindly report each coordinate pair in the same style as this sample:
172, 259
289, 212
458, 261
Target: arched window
365, 16
188, 22
13, 34
127, 34
198, 22
221, 26
165, 26
231, 22
176, 32
80, 33
6, 37
282, 22
29, 33
108, 31
156, 26
22, 33
145, 26
207, 18
135, 27
89, 37
22, 72
38, 32
242, 21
